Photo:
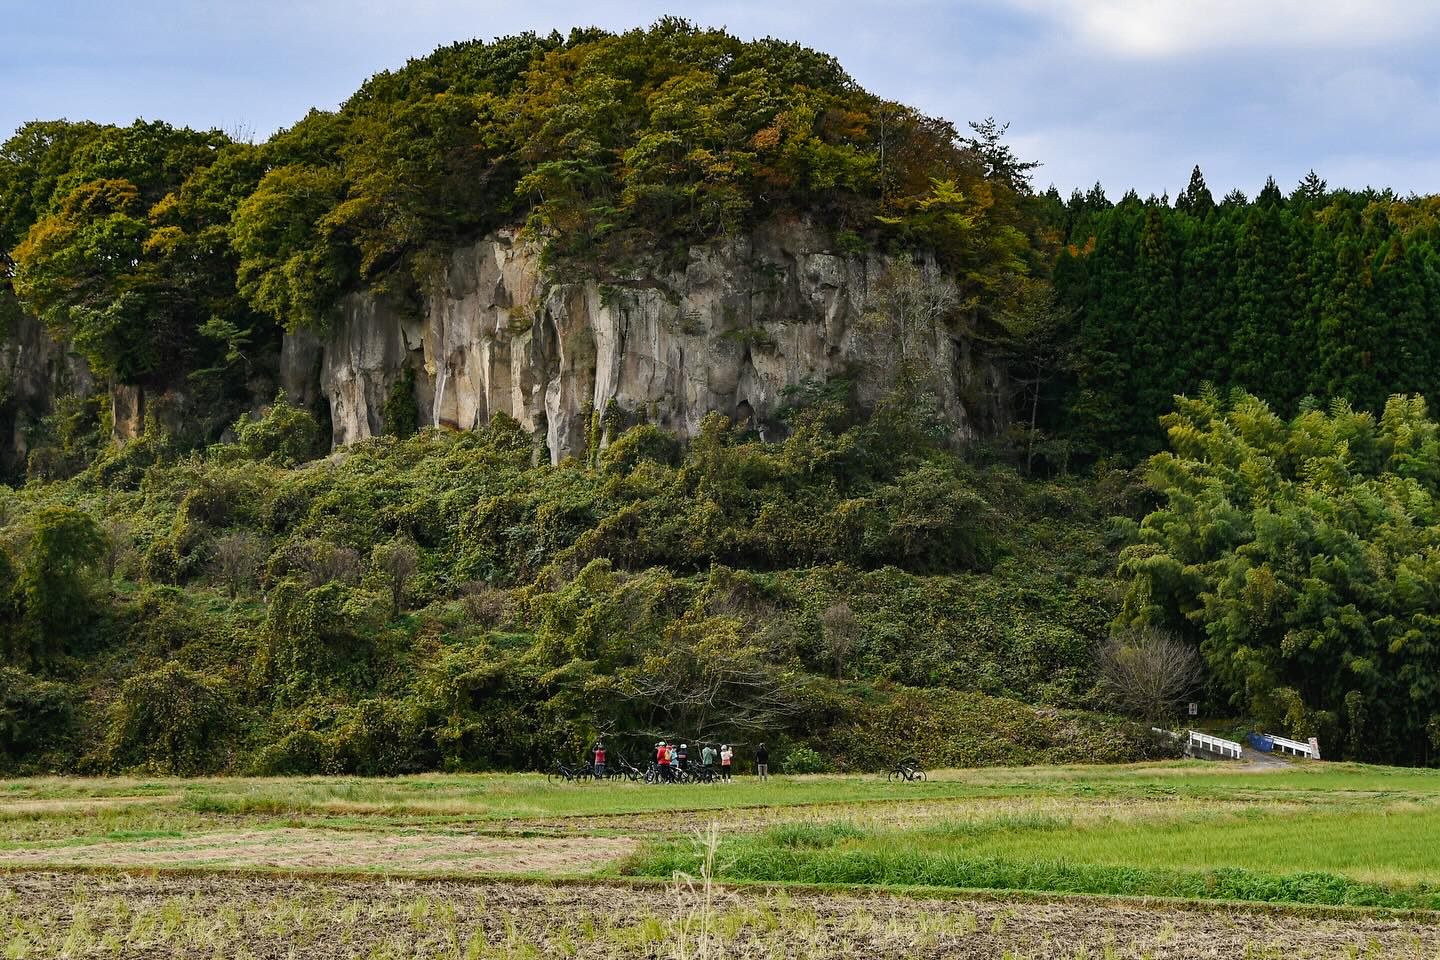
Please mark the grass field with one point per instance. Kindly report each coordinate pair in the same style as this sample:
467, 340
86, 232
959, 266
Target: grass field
1251, 862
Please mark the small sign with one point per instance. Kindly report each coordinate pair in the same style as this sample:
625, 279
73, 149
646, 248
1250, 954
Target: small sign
1194, 709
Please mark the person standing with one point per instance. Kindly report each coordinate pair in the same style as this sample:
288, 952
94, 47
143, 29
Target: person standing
726, 755
683, 757
707, 757
599, 759
662, 760
762, 762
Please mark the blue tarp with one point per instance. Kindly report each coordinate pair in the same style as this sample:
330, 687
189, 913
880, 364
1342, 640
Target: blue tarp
1261, 742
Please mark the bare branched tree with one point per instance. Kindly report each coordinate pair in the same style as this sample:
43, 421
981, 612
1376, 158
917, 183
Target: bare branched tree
326, 562
237, 559
397, 562
904, 315
485, 605
705, 682
1151, 672
838, 625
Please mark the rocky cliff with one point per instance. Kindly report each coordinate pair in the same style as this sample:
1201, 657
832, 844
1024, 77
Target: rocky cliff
744, 319
741, 321
35, 371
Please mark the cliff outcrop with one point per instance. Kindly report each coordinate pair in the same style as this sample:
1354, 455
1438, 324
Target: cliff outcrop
741, 321
729, 330
35, 370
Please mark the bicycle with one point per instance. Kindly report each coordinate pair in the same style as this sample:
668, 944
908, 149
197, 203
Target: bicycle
908, 770
562, 773
622, 769
703, 774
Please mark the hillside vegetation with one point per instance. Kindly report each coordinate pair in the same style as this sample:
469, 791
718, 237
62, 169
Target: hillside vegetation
218, 595
438, 601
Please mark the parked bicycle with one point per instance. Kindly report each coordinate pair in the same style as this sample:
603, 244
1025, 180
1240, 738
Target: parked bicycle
908, 769
561, 773
623, 769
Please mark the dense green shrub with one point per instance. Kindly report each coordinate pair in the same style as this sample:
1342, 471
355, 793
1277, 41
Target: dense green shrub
375, 737
285, 435
171, 720
804, 760
36, 717
54, 590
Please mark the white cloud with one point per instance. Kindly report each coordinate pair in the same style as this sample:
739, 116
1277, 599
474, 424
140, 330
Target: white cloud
1167, 28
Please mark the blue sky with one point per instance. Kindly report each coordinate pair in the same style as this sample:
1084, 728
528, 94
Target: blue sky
1127, 92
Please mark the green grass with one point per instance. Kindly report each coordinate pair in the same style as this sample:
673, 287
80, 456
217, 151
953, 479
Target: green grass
1347, 853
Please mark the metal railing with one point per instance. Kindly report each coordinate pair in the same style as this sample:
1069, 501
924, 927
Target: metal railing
1203, 741
1293, 747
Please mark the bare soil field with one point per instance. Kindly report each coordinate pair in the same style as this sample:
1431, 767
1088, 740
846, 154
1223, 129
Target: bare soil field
51, 915
306, 849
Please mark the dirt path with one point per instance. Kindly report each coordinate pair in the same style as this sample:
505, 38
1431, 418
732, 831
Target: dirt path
47, 915
300, 849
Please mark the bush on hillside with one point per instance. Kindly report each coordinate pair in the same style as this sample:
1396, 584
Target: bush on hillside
36, 717
171, 720
285, 434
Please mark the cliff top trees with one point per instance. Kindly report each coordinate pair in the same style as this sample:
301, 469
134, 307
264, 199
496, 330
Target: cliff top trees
616, 149
104, 256
1338, 289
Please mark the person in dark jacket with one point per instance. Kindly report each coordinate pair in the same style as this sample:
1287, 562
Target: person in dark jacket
762, 762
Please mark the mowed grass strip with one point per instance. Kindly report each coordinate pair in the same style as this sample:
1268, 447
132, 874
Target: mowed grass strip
530, 796
1379, 858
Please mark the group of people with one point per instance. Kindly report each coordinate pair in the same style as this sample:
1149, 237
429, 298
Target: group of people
670, 759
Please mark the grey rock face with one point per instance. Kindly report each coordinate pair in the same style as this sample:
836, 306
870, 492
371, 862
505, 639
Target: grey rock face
35, 370
742, 321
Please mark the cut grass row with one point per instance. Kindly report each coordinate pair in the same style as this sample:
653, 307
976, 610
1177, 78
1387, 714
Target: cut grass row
518, 797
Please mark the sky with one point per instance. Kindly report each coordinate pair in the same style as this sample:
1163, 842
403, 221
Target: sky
1129, 93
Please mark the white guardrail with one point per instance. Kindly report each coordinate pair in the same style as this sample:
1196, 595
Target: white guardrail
1293, 747
1226, 748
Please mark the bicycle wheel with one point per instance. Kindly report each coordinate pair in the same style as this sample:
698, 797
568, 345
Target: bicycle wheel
890, 777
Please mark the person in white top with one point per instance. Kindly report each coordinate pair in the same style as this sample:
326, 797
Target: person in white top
726, 755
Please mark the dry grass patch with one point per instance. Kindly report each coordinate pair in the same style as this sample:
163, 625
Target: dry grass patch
287, 848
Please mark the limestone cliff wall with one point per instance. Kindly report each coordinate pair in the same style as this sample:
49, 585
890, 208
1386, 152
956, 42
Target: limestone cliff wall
744, 319
35, 370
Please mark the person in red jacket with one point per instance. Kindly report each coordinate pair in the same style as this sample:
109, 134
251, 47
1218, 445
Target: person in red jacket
599, 760
662, 759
